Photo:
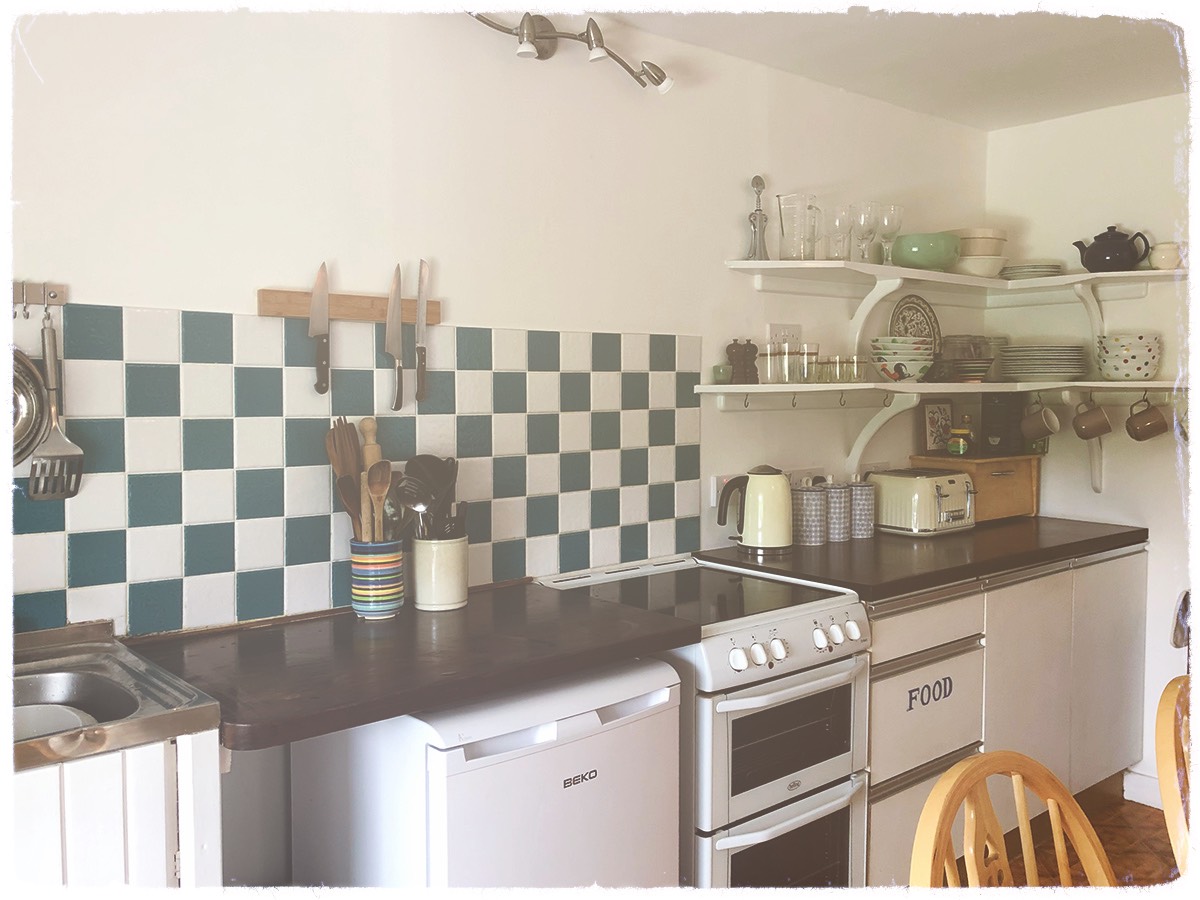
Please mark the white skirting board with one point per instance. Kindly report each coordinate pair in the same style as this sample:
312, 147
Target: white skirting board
1142, 789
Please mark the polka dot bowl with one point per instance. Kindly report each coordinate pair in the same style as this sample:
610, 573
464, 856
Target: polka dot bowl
1129, 357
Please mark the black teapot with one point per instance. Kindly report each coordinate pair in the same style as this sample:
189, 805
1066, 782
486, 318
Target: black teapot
1113, 251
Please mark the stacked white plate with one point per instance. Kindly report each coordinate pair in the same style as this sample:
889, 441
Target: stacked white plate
1044, 362
1031, 269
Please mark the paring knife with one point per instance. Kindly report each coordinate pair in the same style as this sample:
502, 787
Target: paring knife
422, 299
392, 340
318, 327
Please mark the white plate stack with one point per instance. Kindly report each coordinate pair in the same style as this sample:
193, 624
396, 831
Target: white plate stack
1043, 268
1044, 362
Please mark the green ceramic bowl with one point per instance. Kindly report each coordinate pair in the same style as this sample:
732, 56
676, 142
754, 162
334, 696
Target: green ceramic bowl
938, 251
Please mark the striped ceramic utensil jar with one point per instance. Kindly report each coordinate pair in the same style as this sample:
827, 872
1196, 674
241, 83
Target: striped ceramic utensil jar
376, 578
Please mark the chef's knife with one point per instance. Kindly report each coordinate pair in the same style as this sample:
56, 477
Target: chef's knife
392, 338
422, 300
318, 327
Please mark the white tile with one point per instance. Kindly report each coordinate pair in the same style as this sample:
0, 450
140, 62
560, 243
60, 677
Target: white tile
574, 431
208, 496
542, 392
574, 511
257, 341
473, 392
687, 426
307, 490
150, 335
479, 564
635, 352
27, 333
435, 434
206, 390
510, 350
661, 538
661, 464
44, 561
154, 552
606, 469
541, 555
687, 353
209, 600
99, 601
508, 518
662, 390
541, 473
153, 445
635, 428
687, 498
100, 503
385, 392
351, 345
340, 535
605, 546
299, 398
606, 390
306, 588
575, 351
257, 442
440, 347
508, 434
635, 504
93, 388
475, 478
258, 543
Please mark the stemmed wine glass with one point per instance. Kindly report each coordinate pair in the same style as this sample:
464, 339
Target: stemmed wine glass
865, 222
889, 216
840, 224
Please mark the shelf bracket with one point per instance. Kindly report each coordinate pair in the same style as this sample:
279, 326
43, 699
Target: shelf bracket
1087, 296
1096, 464
884, 287
900, 403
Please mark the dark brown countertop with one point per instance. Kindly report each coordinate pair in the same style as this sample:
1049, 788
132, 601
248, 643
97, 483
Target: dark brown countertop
287, 679
890, 565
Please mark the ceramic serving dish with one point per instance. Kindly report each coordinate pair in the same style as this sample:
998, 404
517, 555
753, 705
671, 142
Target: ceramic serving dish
937, 250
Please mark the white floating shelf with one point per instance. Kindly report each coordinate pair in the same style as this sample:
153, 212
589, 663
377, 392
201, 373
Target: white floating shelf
904, 387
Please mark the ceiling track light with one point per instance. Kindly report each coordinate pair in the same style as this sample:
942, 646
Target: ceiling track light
537, 38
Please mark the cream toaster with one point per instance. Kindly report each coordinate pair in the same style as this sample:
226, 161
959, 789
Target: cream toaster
923, 501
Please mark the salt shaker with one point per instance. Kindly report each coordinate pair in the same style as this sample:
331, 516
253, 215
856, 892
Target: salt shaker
808, 514
837, 512
862, 509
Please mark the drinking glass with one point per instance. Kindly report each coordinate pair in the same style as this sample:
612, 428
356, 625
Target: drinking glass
889, 216
865, 223
840, 227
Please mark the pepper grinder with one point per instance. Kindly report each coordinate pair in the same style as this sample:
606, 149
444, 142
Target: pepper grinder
758, 222
742, 359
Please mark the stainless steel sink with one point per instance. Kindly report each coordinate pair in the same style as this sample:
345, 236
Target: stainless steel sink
78, 691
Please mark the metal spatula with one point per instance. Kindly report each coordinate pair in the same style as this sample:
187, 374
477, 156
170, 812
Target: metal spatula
57, 465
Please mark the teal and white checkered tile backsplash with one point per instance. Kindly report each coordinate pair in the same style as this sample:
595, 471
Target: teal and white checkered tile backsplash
207, 496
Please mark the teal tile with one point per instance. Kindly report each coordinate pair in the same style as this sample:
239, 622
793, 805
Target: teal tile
606, 430
606, 508
207, 337
35, 516
156, 606
306, 539
685, 394
687, 534
662, 353
208, 444
259, 493
208, 548
662, 501
574, 551
43, 609
606, 352
662, 427
575, 471
155, 499
304, 442
479, 522
439, 394
257, 391
508, 560
92, 332
542, 432
298, 348
508, 476
102, 442
541, 515
575, 391
635, 390
687, 462
508, 392
95, 557
634, 542
339, 587
151, 389
473, 348
544, 351
259, 594
474, 436
635, 466
397, 437
352, 392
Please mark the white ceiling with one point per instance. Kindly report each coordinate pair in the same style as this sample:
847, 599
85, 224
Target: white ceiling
987, 71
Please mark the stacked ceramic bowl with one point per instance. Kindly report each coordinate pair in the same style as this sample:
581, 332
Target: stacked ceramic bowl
901, 358
980, 251
1132, 356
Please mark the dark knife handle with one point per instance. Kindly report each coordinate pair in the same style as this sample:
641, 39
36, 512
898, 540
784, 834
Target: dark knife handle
398, 400
420, 394
322, 384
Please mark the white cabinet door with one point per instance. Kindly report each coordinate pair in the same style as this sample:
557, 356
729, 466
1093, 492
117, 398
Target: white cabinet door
37, 827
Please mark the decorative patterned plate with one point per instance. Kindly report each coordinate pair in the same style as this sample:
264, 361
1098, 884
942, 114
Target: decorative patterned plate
913, 317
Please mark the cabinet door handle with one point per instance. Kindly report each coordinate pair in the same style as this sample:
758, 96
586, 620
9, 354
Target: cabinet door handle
1004, 472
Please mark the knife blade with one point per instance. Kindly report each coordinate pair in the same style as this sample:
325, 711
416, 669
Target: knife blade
392, 340
422, 300
318, 327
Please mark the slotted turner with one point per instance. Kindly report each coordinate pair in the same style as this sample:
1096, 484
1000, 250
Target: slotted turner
57, 465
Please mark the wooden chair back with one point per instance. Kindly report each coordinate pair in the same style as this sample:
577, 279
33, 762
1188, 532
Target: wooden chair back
1172, 752
985, 858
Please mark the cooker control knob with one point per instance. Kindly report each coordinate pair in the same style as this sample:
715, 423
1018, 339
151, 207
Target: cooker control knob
836, 634
820, 641
737, 660
758, 654
778, 648
852, 630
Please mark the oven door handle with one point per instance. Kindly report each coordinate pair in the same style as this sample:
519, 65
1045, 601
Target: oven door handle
734, 841
794, 693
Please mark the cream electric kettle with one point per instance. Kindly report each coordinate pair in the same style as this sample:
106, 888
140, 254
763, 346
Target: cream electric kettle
764, 515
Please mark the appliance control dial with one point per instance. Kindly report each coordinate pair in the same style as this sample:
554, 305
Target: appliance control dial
852, 630
836, 634
820, 640
737, 660
758, 654
778, 649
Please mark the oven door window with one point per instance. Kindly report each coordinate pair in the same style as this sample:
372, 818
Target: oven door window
815, 855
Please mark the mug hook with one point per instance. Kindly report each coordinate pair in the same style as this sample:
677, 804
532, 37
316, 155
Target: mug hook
24, 302
45, 306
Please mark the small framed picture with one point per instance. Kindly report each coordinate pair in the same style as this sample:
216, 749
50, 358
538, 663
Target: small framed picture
936, 419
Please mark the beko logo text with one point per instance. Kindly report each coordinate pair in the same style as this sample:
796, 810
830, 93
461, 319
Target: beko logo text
579, 779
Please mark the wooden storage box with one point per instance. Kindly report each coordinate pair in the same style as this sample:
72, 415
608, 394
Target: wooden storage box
1007, 485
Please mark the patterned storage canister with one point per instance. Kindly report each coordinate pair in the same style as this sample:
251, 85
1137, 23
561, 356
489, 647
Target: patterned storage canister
808, 515
837, 512
376, 578
862, 509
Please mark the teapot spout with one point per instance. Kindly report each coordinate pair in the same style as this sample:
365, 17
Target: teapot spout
1082, 247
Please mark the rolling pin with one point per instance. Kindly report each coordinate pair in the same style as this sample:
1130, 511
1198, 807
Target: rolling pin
370, 448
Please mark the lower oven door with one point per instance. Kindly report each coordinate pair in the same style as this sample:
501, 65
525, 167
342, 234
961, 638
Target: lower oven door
816, 841
768, 743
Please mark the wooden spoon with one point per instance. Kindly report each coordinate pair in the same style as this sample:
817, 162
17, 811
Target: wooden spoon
379, 482
347, 486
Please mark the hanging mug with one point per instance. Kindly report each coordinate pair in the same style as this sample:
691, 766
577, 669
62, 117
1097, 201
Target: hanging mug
1090, 421
1146, 423
1039, 422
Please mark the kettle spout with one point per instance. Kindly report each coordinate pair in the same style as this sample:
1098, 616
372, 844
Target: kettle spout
1082, 247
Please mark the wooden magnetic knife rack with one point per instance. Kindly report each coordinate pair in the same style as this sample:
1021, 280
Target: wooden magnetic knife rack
278, 302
